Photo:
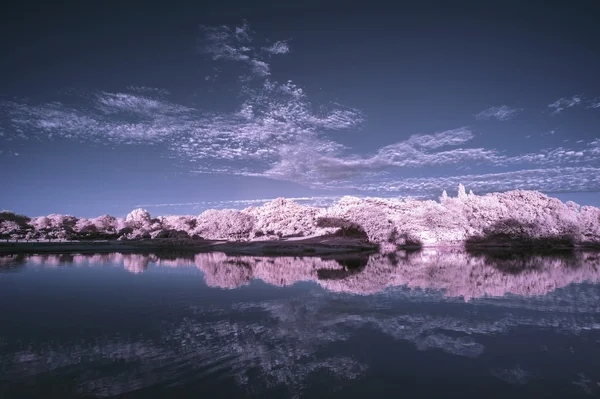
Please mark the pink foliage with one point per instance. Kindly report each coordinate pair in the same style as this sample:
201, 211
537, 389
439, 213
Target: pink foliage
282, 217
8, 228
108, 224
139, 219
520, 216
226, 224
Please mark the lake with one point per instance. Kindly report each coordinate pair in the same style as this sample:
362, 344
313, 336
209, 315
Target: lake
432, 323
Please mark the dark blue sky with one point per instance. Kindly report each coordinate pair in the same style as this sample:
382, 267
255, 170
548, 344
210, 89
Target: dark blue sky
111, 105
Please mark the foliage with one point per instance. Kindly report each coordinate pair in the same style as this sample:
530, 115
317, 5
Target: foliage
514, 217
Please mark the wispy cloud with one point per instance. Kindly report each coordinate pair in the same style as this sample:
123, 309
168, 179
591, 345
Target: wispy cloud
322, 169
270, 117
501, 113
547, 180
594, 103
318, 166
225, 43
312, 201
575, 101
118, 118
594, 147
276, 131
146, 90
280, 47
562, 103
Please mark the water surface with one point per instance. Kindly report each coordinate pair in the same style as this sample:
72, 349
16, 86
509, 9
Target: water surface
425, 324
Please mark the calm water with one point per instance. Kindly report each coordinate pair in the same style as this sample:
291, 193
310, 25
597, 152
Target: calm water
428, 324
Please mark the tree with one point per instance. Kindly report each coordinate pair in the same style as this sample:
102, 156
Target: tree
142, 224
108, 226
85, 228
10, 216
187, 223
444, 196
528, 216
225, 224
139, 219
282, 217
462, 193
9, 229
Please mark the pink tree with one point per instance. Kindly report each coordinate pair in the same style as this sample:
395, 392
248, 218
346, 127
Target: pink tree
8, 229
225, 224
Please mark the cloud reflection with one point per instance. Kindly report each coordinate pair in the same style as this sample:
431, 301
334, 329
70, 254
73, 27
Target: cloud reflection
285, 343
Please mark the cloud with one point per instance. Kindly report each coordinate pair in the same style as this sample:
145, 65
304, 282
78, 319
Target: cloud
280, 47
562, 103
124, 103
594, 104
224, 43
326, 162
577, 100
9, 153
557, 156
320, 201
260, 68
235, 44
594, 147
110, 118
331, 167
275, 132
442, 139
243, 33
501, 113
270, 116
566, 179
146, 90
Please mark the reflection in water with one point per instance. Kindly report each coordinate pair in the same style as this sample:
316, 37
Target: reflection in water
456, 272
286, 342
280, 346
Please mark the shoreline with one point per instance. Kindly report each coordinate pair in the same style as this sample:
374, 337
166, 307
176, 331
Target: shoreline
309, 247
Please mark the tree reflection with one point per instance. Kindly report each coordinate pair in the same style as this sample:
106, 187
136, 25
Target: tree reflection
456, 272
10, 263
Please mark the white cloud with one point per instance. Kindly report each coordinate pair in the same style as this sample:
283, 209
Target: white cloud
556, 156
115, 103
120, 118
594, 104
323, 163
269, 117
260, 68
243, 33
148, 90
275, 132
547, 180
442, 139
312, 201
225, 43
9, 153
331, 168
575, 101
280, 47
501, 113
562, 103
594, 147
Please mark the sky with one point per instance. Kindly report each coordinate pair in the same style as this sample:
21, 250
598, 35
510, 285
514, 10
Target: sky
179, 107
